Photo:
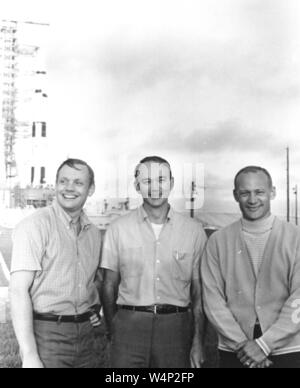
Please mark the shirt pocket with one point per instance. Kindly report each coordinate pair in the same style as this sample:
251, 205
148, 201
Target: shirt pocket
182, 265
132, 262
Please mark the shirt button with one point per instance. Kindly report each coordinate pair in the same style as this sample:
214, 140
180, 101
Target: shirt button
158, 297
158, 261
158, 279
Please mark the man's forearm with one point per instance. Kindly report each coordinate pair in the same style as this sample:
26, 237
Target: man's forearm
199, 323
197, 350
198, 314
22, 317
286, 326
99, 282
109, 298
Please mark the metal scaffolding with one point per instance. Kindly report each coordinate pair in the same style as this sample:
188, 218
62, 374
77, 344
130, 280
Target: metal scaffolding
9, 60
12, 51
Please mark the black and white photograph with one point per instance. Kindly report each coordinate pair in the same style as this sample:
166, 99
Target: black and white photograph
149, 181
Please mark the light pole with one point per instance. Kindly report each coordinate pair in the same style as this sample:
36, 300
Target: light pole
193, 199
296, 203
288, 183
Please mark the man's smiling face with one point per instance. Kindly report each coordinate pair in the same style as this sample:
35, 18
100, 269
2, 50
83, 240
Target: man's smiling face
154, 183
73, 188
254, 194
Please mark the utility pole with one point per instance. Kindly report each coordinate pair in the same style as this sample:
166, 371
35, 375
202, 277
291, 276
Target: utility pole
296, 204
288, 183
193, 199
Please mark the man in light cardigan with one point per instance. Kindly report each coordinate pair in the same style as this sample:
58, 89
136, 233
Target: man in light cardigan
251, 281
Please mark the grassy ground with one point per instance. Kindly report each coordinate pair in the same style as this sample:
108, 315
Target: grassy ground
8, 347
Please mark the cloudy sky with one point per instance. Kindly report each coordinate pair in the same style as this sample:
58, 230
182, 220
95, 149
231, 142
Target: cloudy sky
215, 82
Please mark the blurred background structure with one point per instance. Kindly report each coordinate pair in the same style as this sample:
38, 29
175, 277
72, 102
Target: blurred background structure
24, 124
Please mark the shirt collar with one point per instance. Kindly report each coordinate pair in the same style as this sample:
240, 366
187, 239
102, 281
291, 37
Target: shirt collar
143, 216
67, 219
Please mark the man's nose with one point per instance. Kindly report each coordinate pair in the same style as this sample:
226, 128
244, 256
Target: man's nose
155, 186
69, 186
252, 198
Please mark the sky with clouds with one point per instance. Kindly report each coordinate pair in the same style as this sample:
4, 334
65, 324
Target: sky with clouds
215, 82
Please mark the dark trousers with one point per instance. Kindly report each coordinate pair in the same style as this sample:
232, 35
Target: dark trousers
65, 345
145, 340
229, 360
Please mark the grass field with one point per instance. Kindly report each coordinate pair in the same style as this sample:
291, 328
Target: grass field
8, 347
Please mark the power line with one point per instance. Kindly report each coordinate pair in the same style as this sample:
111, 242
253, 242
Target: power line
25, 22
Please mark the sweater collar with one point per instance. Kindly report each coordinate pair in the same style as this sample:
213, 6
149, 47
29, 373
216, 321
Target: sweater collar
260, 226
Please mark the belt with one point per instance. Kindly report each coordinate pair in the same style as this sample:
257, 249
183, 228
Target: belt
62, 318
156, 309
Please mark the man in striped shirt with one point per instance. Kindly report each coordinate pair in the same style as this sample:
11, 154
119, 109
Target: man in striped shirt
251, 281
55, 262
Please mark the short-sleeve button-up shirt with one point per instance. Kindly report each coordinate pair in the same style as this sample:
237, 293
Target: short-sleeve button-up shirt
65, 264
154, 271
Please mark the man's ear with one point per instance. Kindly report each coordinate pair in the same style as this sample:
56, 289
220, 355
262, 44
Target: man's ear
92, 190
172, 184
137, 186
273, 193
235, 194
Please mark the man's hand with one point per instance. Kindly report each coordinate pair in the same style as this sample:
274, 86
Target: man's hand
32, 362
266, 364
95, 320
250, 354
197, 355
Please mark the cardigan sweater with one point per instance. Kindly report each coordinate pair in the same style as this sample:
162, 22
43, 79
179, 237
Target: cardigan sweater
234, 297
